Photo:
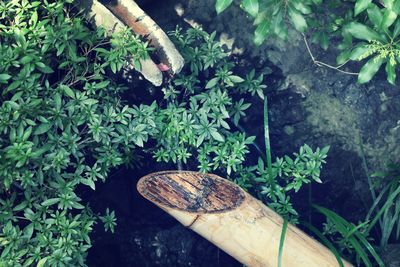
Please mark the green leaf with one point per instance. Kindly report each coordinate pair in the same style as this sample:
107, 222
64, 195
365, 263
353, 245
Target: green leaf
359, 51
4, 77
42, 128
324, 41
251, 7
388, 18
299, 22
301, 7
221, 5
360, 6
43, 68
343, 57
261, 32
211, 83
50, 201
28, 231
68, 91
20, 206
88, 182
375, 15
34, 18
278, 25
388, 4
217, 136
369, 69
42, 262
26, 59
391, 72
362, 32
236, 79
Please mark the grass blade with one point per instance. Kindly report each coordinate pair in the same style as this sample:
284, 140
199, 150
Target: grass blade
282, 241
267, 143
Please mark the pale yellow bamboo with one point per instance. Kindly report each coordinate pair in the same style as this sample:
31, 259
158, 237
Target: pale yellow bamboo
233, 220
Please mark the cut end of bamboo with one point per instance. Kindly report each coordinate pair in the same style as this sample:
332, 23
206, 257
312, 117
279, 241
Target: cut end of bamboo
191, 191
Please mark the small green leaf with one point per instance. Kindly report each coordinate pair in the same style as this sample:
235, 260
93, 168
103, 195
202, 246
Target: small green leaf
261, 32
391, 72
360, 6
217, 136
388, 18
358, 52
68, 91
375, 15
236, 79
343, 57
89, 183
50, 201
42, 262
42, 128
369, 69
211, 83
221, 5
26, 59
251, 7
302, 7
4, 77
43, 68
324, 41
299, 22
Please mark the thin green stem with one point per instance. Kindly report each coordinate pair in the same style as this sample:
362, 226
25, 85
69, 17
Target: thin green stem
282, 241
267, 143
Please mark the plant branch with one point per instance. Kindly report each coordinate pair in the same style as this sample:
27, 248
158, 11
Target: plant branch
322, 64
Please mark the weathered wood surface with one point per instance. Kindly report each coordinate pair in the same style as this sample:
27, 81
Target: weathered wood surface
232, 219
102, 17
133, 16
115, 15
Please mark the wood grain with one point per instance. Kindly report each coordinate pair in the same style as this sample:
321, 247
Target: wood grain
233, 220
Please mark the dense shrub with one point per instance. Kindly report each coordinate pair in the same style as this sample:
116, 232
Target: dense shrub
62, 124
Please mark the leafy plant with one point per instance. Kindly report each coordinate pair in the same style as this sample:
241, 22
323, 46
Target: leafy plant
272, 16
201, 116
376, 38
62, 125
370, 31
385, 210
350, 237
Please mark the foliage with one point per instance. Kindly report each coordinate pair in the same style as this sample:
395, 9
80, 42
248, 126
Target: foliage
62, 125
376, 32
201, 118
383, 216
370, 30
350, 237
272, 17
385, 211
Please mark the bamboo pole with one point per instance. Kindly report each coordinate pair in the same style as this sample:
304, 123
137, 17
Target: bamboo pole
232, 219
133, 16
102, 17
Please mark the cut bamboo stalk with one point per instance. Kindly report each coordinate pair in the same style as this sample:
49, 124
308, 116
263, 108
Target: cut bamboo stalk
102, 17
232, 219
133, 16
